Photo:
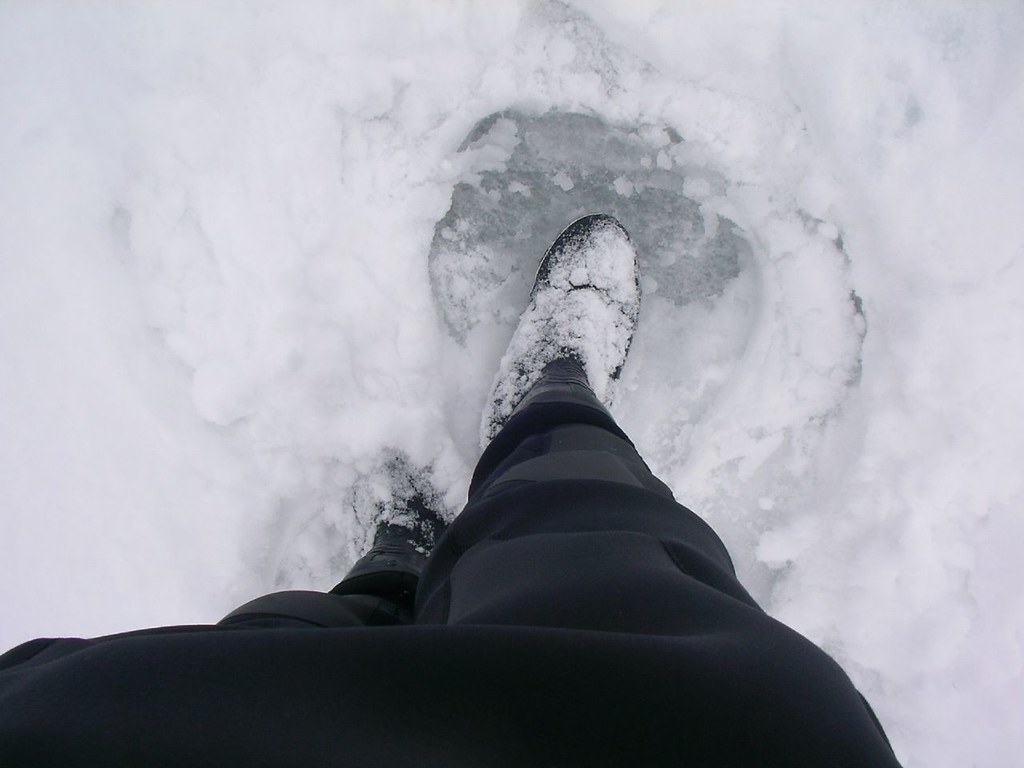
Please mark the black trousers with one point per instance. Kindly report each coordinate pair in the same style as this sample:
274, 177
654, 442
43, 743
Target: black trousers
592, 540
572, 615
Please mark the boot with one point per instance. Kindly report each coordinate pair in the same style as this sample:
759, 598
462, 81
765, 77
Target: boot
392, 567
583, 307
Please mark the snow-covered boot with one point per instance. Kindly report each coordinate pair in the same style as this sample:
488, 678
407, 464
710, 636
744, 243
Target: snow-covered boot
400, 548
584, 306
406, 512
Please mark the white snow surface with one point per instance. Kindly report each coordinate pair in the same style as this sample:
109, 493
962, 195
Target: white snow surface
217, 326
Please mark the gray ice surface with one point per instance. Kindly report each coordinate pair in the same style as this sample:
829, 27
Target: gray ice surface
531, 175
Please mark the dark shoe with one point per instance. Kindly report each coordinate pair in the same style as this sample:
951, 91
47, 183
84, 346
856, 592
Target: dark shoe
402, 541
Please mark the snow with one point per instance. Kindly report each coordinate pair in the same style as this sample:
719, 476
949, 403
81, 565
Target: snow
226, 305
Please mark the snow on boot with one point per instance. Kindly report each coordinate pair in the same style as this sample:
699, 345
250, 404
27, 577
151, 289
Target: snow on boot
407, 521
584, 305
392, 566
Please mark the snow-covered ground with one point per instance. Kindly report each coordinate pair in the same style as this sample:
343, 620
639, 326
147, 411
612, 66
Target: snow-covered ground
232, 290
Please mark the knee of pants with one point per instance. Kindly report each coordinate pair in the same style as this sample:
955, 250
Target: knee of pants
317, 609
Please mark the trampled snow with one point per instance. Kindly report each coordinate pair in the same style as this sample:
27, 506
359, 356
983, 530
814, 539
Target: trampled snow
249, 253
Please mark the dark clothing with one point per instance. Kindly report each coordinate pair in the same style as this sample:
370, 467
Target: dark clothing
573, 615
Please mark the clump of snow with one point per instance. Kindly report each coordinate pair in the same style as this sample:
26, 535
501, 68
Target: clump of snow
563, 180
623, 186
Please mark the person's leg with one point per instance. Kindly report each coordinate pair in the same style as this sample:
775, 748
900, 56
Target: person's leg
567, 526
561, 418
377, 591
567, 534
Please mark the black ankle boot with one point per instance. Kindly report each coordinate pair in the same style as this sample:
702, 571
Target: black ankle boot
392, 567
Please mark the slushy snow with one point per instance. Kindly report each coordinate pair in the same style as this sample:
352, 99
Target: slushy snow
254, 255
